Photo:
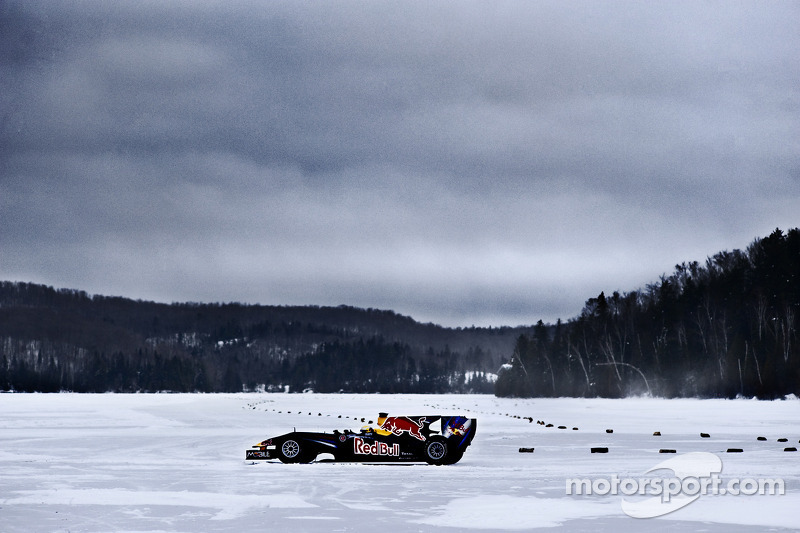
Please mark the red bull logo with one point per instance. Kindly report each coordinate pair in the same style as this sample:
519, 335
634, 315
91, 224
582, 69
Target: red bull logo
459, 429
400, 424
376, 448
457, 426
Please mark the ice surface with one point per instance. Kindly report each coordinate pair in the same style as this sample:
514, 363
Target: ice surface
166, 462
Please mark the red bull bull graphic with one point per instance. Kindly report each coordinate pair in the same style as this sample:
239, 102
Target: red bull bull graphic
361, 447
401, 424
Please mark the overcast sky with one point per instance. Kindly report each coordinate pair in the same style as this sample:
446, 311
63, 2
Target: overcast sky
470, 163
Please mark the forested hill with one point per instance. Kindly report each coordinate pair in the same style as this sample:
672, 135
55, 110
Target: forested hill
63, 339
722, 329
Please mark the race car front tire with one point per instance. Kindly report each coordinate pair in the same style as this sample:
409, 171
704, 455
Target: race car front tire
291, 451
436, 451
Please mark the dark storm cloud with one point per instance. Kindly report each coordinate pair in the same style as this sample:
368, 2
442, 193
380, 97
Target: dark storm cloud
468, 163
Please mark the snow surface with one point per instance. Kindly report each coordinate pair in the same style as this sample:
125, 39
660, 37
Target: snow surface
175, 462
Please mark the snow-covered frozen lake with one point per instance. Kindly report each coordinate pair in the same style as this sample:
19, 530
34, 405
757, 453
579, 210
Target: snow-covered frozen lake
167, 462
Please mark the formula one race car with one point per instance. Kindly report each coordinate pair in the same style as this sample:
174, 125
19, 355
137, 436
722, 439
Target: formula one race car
436, 440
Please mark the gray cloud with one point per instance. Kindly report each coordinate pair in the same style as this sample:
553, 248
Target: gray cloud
464, 164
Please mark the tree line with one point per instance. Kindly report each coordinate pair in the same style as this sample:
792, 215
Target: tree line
66, 340
720, 329
725, 328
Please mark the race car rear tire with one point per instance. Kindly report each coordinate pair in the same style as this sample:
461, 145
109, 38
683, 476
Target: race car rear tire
453, 457
436, 451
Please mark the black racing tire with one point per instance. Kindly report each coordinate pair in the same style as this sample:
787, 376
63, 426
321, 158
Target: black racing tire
436, 452
453, 457
290, 451
306, 457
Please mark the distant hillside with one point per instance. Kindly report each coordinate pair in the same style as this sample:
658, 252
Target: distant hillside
722, 329
726, 328
63, 339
